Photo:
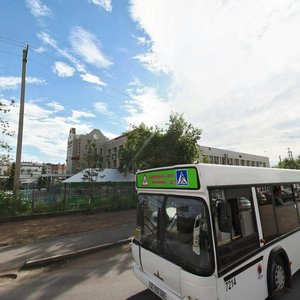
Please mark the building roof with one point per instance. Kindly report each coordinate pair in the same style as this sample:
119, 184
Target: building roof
103, 175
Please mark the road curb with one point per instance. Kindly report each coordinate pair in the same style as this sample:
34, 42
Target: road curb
42, 262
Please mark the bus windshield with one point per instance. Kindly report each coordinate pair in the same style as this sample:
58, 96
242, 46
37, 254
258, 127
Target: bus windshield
176, 228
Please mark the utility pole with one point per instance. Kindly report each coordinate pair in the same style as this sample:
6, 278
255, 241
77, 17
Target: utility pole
290, 154
21, 121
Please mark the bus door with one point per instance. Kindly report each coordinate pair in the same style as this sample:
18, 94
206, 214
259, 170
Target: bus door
240, 269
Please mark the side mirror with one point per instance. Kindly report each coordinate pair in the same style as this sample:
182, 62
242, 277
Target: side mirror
224, 216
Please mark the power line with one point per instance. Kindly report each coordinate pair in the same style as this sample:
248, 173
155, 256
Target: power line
53, 59
10, 53
11, 41
115, 89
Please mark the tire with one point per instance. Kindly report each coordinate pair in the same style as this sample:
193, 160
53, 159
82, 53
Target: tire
279, 278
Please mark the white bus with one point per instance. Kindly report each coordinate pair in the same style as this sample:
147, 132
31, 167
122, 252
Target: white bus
217, 232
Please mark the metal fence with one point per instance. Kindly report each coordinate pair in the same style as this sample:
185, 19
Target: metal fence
69, 197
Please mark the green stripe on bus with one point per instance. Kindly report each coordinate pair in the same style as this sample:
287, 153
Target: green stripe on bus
179, 178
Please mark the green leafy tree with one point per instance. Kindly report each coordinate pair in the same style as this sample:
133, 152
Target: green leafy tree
91, 162
140, 144
4, 129
289, 163
91, 157
180, 141
10, 175
4, 147
149, 147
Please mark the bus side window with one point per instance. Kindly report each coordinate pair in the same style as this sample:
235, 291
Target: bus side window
286, 214
296, 189
216, 196
266, 211
243, 237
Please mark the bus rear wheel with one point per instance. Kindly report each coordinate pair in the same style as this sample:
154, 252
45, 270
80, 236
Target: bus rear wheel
279, 278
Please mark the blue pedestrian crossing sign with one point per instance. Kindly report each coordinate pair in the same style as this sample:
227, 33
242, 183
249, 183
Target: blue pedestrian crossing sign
181, 177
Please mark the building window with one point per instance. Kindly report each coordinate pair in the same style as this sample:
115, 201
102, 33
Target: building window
216, 159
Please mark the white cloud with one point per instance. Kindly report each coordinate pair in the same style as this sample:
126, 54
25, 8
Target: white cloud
63, 70
11, 82
86, 45
50, 142
78, 65
102, 108
77, 115
229, 63
106, 4
47, 39
40, 50
146, 106
151, 61
56, 106
38, 9
92, 79
142, 40
89, 51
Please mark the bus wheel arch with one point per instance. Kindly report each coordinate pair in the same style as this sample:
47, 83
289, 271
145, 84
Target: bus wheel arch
278, 273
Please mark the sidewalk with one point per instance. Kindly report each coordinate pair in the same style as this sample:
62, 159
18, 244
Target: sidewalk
47, 251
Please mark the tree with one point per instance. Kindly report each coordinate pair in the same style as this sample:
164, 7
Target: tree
181, 141
289, 163
91, 158
149, 147
4, 128
10, 174
139, 144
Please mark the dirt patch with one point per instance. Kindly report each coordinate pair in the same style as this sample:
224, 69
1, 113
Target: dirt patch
28, 231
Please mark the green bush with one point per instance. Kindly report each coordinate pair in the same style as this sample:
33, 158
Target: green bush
12, 205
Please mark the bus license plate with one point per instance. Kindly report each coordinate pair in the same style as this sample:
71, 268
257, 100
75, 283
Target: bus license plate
156, 290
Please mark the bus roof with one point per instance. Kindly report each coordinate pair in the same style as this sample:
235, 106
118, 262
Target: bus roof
193, 176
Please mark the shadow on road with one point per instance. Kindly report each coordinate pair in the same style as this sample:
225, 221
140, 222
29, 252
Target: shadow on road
144, 295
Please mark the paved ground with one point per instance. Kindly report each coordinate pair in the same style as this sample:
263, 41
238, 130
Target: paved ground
29, 231
40, 241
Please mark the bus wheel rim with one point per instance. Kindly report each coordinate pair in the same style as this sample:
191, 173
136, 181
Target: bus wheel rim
279, 277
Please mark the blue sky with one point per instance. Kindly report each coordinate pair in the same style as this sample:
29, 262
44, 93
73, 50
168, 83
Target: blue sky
231, 68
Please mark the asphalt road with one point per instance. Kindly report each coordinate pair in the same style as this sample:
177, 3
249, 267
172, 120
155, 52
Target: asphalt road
106, 274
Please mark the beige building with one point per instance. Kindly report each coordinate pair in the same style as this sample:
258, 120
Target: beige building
109, 153
54, 168
108, 150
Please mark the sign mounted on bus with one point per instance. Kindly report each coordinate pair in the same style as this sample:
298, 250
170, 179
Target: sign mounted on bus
177, 178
